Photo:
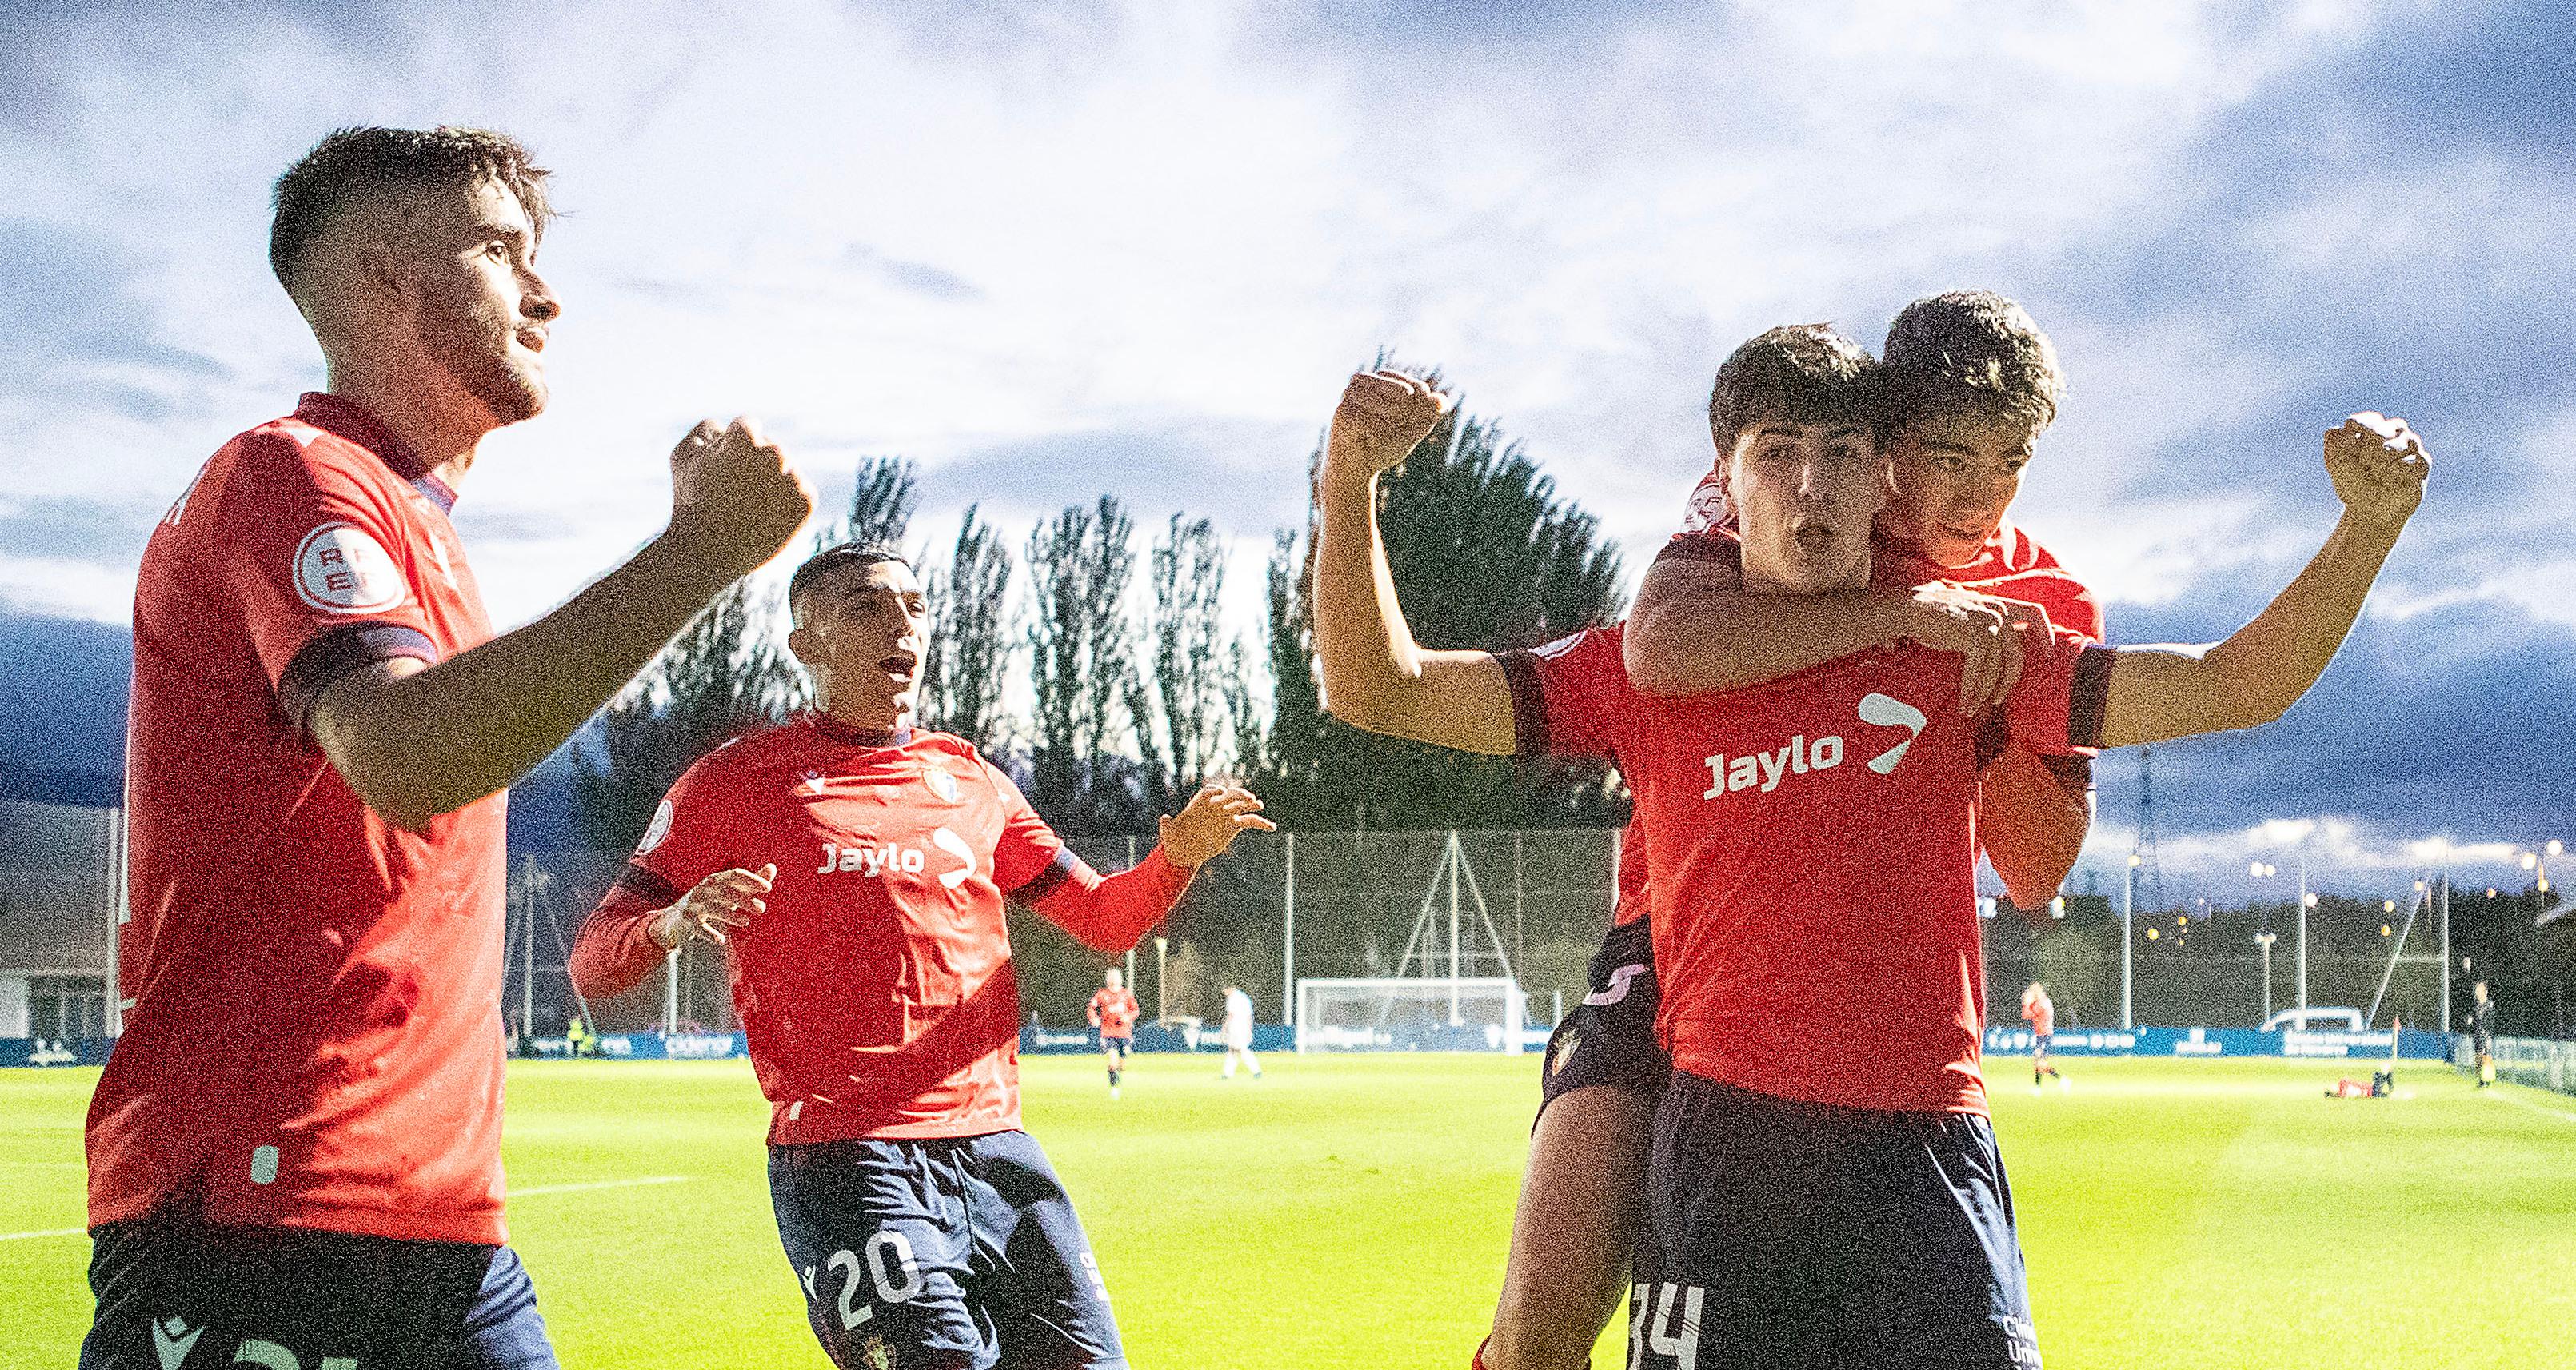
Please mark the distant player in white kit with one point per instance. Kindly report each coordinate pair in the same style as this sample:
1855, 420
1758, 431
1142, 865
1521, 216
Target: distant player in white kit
1238, 1031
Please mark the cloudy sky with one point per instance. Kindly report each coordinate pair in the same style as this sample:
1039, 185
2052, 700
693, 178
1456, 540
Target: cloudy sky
1052, 250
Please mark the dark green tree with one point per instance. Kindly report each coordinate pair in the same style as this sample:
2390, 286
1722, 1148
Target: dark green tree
1484, 555
969, 651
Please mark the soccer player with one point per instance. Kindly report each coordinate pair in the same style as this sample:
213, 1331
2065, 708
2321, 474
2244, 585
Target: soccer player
2042, 1016
1238, 1032
295, 1151
858, 865
1113, 1010
1973, 382
2482, 1016
1824, 1187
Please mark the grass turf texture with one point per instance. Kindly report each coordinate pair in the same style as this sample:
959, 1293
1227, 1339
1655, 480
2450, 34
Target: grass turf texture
1354, 1211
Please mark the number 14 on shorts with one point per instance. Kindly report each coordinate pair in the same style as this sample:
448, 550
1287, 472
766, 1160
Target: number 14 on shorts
1663, 1321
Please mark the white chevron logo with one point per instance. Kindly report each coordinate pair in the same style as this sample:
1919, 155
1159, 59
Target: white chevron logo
1891, 713
170, 1345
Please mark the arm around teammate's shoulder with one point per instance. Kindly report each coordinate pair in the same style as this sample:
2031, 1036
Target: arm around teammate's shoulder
416, 740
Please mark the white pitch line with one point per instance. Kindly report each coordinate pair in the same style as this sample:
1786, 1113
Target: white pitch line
515, 1194
2520, 1102
597, 1184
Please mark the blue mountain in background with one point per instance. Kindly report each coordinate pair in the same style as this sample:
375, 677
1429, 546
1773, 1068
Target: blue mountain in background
63, 689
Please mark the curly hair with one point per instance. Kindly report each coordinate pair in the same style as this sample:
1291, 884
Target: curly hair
354, 162
1971, 351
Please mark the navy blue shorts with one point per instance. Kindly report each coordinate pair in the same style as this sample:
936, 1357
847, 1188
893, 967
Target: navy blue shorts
952, 1253
1777, 1233
1609, 1038
174, 1290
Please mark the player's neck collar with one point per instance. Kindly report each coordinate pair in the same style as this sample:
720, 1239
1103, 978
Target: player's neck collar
349, 420
838, 731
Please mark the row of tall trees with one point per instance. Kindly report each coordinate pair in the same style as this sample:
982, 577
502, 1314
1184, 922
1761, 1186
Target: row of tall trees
1134, 689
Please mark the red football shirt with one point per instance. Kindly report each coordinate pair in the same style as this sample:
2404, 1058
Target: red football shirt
877, 991
2041, 1013
1113, 1011
314, 1029
1814, 853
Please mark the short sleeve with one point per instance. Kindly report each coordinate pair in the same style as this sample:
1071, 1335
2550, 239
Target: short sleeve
316, 560
2056, 707
684, 844
1716, 546
1029, 861
2069, 604
1570, 697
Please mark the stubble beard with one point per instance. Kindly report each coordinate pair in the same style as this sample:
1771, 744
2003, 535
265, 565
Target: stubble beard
474, 350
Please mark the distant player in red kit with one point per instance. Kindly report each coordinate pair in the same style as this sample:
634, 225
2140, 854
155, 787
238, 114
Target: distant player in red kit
1113, 1010
295, 1151
2042, 1016
857, 867
1824, 1187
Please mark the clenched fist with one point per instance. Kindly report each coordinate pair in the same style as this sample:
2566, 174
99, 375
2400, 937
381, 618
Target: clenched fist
1207, 826
1383, 415
735, 500
2379, 467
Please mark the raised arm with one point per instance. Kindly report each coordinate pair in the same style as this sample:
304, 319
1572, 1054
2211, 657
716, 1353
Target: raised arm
1695, 631
2379, 468
417, 741
1109, 912
1375, 677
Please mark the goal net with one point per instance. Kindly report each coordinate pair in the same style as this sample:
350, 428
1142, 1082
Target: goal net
1412, 1013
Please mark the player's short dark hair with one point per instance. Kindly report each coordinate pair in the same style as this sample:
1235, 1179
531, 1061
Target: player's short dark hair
833, 558
1796, 373
1974, 352
352, 162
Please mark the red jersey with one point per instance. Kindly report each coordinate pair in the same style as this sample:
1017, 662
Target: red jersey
2041, 1013
1113, 1011
877, 991
313, 1036
1815, 923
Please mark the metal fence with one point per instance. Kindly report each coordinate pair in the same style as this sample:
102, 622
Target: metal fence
1279, 908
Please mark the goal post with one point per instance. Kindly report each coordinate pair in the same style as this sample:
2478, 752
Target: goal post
1412, 1013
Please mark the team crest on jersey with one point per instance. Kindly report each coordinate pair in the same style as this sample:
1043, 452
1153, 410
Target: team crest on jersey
941, 783
659, 829
1707, 507
340, 568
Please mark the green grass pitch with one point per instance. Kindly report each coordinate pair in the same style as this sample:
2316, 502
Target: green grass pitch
1353, 1211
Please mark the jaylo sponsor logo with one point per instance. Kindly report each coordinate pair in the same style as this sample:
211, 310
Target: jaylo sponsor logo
891, 858
1764, 771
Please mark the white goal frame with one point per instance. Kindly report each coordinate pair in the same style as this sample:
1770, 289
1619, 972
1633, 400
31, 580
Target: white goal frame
1445, 998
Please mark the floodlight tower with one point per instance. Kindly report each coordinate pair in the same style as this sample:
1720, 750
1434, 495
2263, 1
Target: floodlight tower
2146, 848
2265, 938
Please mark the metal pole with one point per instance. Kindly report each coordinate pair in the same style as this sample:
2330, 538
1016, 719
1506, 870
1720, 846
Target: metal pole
118, 910
2266, 940
671, 991
527, 963
2446, 948
2303, 932
2128, 897
1456, 858
1161, 1004
1288, 960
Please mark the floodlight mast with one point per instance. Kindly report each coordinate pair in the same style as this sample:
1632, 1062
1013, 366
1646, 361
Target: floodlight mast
2128, 934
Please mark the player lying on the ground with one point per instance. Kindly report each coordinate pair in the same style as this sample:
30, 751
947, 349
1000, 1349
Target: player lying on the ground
1972, 382
323, 723
1113, 1010
1824, 1187
855, 867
